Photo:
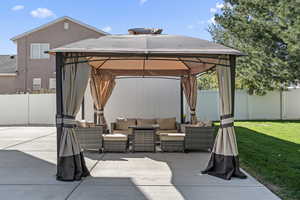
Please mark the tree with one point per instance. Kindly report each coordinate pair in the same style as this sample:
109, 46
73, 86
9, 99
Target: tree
208, 81
268, 31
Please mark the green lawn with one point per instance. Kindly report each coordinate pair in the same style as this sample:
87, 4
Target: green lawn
270, 151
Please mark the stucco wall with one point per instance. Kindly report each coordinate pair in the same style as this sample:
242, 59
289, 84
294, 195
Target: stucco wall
56, 36
7, 84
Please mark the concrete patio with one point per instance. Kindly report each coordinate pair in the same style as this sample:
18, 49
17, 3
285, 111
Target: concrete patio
27, 171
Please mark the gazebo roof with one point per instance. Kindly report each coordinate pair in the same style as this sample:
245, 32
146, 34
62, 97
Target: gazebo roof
149, 54
148, 44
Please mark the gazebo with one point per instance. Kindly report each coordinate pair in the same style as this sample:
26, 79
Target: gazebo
143, 52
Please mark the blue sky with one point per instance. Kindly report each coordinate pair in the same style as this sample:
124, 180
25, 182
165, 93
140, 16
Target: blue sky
181, 17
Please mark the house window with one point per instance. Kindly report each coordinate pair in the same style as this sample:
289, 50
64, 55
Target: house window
37, 84
52, 83
66, 25
38, 50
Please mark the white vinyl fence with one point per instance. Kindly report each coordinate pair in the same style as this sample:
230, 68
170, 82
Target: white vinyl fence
145, 98
139, 98
24, 109
274, 105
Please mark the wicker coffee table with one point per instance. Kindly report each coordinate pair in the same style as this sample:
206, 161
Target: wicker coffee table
144, 138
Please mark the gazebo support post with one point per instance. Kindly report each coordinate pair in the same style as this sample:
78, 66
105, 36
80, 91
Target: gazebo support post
232, 60
181, 104
59, 102
83, 109
95, 115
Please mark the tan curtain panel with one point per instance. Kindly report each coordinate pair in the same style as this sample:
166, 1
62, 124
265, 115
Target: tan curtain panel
224, 161
190, 89
102, 85
71, 165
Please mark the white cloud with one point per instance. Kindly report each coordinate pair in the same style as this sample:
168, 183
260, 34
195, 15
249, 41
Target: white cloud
107, 29
42, 13
219, 5
213, 10
17, 7
143, 1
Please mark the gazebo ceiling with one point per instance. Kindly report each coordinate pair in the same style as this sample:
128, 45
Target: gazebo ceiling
149, 54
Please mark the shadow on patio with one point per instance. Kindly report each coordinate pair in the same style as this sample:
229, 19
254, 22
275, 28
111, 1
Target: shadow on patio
26, 176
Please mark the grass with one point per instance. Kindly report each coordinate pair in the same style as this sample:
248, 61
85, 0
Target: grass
270, 151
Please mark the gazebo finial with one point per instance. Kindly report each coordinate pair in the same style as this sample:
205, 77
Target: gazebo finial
138, 31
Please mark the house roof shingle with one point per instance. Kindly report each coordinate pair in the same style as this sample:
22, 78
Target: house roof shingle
8, 64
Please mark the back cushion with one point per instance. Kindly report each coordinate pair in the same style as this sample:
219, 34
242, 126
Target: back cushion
123, 124
146, 122
167, 123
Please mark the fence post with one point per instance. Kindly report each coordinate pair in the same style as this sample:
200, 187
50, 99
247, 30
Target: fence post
28, 108
281, 106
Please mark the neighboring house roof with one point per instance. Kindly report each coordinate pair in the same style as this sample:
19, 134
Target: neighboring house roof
8, 64
56, 21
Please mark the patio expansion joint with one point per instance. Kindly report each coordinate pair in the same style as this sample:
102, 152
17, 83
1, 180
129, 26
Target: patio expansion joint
100, 159
27, 141
187, 186
34, 184
82, 180
73, 190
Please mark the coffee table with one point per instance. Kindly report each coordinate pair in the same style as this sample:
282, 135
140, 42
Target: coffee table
144, 138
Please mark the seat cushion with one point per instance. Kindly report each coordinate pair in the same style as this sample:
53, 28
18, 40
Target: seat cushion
81, 124
145, 122
125, 132
208, 123
167, 123
123, 124
172, 137
115, 137
198, 124
158, 132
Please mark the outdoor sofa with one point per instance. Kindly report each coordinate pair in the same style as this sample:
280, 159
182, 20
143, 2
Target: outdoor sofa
165, 125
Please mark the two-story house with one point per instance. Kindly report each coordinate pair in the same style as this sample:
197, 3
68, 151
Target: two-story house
34, 69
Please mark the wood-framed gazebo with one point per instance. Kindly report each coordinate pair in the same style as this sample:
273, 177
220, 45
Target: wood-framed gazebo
144, 52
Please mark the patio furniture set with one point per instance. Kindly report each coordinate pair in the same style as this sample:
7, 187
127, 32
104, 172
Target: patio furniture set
144, 135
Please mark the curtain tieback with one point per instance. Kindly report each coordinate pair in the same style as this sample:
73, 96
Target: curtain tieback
65, 121
100, 111
227, 121
193, 112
